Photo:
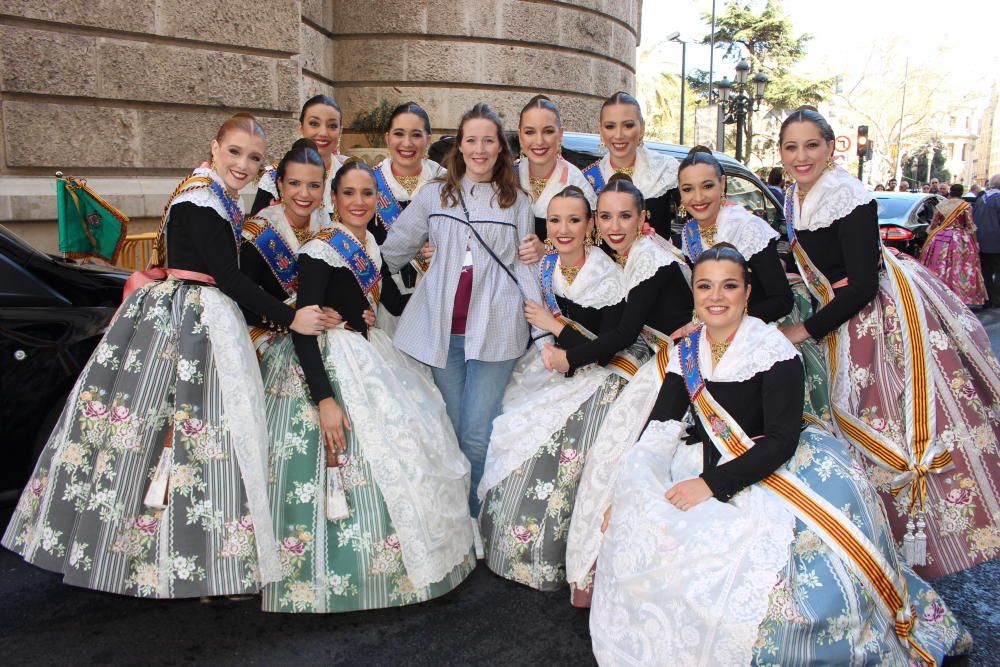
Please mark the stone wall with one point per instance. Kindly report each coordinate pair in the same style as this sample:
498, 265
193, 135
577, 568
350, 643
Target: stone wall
128, 95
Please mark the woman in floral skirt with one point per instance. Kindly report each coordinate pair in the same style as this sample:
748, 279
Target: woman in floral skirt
743, 539
153, 482
353, 402
541, 439
914, 384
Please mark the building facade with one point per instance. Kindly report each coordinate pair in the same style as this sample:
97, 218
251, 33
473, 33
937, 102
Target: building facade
129, 95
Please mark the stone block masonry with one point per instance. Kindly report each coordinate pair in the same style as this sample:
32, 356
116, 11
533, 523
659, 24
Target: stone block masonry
128, 95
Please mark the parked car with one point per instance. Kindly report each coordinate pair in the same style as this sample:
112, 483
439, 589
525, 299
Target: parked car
52, 315
903, 218
742, 185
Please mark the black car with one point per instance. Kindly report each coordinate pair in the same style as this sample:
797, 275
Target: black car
52, 315
742, 185
903, 219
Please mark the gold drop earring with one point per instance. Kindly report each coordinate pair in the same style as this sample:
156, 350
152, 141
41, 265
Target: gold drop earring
681, 211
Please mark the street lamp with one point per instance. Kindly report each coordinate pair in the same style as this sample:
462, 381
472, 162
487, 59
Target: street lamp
676, 37
739, 99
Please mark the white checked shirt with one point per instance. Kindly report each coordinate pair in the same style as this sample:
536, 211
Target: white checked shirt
496, 329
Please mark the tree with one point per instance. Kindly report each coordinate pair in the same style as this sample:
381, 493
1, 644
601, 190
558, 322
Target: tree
659, 92
915, 163
765, 38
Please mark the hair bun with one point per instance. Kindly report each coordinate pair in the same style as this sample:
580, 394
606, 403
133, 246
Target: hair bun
807, 107
244, 114
619, 176
700, 149
304, 142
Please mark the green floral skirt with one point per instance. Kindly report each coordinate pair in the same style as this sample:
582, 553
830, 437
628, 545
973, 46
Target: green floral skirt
348, 565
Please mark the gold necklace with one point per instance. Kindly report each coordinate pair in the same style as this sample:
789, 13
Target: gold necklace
622, 260
302, 234
409, 183
707, 235
718, 349
628, 171
569, 273
537, 185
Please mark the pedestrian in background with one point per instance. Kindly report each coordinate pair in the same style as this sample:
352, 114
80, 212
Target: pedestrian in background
951, 250
776, 183
986, 214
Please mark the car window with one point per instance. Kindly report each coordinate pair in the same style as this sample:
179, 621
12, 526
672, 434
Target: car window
926, 212
747, 194
893, 207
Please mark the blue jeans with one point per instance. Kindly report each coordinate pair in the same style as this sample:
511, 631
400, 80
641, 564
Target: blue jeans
473, 394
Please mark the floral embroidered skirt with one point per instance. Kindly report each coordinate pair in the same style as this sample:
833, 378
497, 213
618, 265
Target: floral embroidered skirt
746, 582
953, 255
962, 504
156, 378
362, 561
813, 359
525, 523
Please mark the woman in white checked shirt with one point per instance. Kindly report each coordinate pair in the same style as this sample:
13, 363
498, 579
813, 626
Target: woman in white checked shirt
466, 318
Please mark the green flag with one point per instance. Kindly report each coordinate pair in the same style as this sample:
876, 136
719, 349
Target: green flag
88, 225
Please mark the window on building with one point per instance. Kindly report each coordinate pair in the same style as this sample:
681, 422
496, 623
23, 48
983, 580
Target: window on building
964, 151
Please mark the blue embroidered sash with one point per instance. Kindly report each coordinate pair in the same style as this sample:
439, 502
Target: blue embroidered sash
692, 237
361, 265
279, 257
233, 212
594, 176
387, 205
547, 269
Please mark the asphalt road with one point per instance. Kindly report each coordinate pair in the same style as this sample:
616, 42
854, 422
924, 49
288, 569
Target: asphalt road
486, 621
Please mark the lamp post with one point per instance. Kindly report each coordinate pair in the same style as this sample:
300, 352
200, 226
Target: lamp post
740, 98
676, 37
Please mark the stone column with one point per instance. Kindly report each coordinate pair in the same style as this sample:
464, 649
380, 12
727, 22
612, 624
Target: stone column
446, 55
129, 94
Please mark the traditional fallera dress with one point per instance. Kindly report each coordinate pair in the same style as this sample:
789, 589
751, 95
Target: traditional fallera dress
657, 283
267, 186
541, 440
563, 175
655, 174
393, 199
951, 251
914, 384
408, 536
775, 296
173, 388
791, 562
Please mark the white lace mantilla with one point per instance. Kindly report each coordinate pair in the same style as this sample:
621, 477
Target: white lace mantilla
832, 197
740, 227
684, 588
536, 404
243, 403
429, 170
402, 427
654, 172
600, 282
756, 347
565, 174
276, 219
645, 258
620, 430
205, 197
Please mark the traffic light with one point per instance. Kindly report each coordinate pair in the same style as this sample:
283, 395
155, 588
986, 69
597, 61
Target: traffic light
864, 147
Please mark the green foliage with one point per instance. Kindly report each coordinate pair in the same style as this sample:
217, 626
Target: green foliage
915, 163
765, 38
373, 123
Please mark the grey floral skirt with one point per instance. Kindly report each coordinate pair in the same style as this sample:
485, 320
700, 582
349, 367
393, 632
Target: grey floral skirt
152, 382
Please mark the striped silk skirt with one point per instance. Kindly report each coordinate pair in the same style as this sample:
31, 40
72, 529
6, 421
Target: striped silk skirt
408, 537
175, 371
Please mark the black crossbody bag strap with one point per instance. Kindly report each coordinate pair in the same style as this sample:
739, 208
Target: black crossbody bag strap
486, 246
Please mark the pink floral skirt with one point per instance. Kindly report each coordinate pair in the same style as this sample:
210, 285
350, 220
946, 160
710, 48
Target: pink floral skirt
962, 504
953, 255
